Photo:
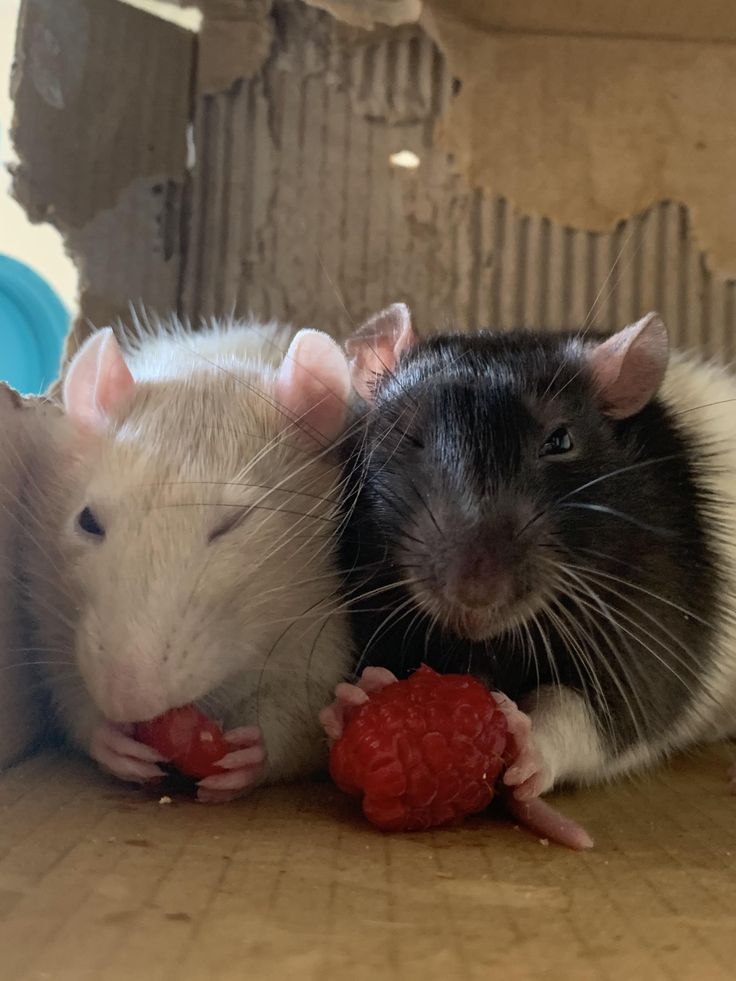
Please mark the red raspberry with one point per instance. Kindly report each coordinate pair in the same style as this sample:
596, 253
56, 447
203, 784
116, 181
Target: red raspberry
422, 752
188, 739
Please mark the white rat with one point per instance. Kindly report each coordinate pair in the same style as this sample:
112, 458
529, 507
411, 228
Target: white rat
188, 547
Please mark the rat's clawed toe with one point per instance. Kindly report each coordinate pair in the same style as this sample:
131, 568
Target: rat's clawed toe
244, 767
126, 758
376, 679
349, 696
228, 786
527, 772
332, 718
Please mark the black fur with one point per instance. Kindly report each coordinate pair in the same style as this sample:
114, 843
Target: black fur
461, 420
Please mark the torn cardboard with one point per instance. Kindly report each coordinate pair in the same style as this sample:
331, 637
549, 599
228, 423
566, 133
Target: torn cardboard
590, 130
588, 113
368, 13
545, 117
295, 209
298, 212
234, 42
102, 103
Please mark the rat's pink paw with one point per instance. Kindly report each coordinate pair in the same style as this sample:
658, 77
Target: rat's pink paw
349, 696
245, 766
116, 751
527, 772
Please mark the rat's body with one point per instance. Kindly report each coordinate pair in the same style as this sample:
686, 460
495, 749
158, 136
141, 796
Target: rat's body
188, 547
559, 514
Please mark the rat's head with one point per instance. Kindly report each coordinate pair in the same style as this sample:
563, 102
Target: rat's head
200, 517
485, 459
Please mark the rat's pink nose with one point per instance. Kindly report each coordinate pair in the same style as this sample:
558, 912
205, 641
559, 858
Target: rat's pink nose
480, 569
479, 580
131, 693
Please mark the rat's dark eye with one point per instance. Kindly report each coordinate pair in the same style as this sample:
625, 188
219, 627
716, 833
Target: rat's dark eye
89, 523
557, 443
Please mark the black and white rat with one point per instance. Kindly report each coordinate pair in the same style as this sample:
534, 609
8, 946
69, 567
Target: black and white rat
187, 552
554, 513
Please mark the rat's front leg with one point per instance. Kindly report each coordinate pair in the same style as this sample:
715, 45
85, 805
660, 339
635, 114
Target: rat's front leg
560, 743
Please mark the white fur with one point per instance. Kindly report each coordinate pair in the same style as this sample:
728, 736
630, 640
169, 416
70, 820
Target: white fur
155, 616
566, 736
690, 384
170, 348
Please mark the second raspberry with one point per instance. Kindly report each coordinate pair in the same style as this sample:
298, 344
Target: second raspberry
422, 752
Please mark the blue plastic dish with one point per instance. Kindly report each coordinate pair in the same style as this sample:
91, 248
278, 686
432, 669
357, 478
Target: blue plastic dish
33, 326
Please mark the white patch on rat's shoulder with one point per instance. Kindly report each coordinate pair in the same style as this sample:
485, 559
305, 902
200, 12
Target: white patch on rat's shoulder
703, 398
565, 733
567, 737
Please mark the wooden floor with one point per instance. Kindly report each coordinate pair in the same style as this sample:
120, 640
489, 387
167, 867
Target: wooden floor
99, 882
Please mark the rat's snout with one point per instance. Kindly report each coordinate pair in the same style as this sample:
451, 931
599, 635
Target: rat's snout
125, 689
480, 569
136, 671
477, 580
133, 693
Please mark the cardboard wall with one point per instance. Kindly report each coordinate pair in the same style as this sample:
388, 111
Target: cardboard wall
103, 100
589, 129
293, 208
300, 214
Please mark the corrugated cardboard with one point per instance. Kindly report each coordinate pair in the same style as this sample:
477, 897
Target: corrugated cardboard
587, 113
370, 13
102, 96
235, 40
296, 209
298, 212
589, 130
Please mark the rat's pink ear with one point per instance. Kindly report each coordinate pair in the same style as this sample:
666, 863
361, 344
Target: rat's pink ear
376, 347
629, 367
97, 382
313, 385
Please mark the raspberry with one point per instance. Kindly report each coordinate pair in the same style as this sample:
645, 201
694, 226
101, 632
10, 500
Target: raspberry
188, 739
422, 752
